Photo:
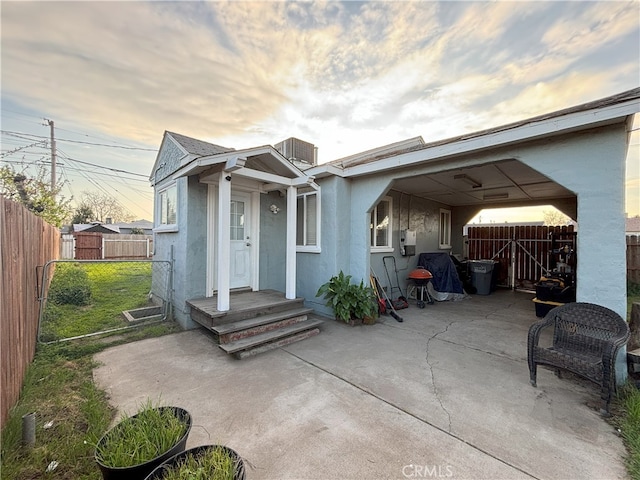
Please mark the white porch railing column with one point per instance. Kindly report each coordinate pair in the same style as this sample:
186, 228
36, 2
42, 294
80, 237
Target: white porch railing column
292, 201
224, 241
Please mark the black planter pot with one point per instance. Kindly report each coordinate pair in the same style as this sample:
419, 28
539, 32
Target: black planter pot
159, 472
140, 471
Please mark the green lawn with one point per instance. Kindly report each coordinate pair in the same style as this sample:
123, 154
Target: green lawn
59, 388
71, 412
93, 297
629, 420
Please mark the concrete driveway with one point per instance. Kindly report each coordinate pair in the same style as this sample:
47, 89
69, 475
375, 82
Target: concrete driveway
445, 394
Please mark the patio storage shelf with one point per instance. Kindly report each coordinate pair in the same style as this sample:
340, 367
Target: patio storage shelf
585, 339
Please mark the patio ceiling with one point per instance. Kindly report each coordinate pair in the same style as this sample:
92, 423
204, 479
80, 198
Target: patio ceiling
508, 181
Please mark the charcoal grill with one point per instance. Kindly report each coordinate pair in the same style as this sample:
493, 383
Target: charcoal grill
420, 278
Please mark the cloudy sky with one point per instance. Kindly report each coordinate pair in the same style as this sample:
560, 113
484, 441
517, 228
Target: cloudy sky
346, 76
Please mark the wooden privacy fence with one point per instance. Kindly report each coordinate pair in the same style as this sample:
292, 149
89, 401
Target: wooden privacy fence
522, 251
106, 246
633, 258
27, 242
88, 246
127, 246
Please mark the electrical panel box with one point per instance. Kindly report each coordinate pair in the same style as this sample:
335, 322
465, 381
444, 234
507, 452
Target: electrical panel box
407, 242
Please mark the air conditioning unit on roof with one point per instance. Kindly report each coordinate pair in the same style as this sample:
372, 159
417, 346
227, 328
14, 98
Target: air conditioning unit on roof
298, 152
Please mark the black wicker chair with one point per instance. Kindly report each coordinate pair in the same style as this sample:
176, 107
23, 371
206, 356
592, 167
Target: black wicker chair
585, 340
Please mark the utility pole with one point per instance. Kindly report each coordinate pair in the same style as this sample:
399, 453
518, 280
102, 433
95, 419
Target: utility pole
53, 159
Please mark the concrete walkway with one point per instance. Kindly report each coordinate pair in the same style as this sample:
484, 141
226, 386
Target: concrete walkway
445, 394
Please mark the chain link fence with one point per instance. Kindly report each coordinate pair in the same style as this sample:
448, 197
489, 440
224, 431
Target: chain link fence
82, 298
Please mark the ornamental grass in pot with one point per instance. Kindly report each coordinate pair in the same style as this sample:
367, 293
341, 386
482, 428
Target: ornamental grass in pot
206, 462
137, 444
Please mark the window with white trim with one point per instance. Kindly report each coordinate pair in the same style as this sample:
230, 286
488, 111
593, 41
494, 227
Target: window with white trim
445, 228
168, 207
308, 222
380, 226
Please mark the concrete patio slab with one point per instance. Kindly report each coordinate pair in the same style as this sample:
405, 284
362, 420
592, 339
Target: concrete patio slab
445, 394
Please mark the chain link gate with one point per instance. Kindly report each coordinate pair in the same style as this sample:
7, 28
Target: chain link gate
83, 298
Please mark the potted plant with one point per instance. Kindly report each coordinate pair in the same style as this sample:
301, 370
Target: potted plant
138, 444
206, 462
351, 303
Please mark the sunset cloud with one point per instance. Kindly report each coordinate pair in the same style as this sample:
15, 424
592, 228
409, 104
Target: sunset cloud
346, 76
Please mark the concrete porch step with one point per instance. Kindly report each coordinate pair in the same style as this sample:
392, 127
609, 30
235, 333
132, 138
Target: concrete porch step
229, 332
272, 339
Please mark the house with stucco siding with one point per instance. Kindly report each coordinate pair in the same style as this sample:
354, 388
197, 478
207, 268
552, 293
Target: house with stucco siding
255, 220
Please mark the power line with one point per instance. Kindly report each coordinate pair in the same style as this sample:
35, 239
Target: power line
15, 150
5, 111
104, 185
24, 136
115, 170
24, 161
19, 113
65, 156
91, 136
23, 154
69, 171
125, 147
108, 146
104, 174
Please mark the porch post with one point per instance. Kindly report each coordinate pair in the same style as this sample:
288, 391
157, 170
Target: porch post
224, 241
292, 201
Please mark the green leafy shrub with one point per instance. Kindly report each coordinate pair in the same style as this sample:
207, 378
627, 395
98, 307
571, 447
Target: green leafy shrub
348, 300
70, 285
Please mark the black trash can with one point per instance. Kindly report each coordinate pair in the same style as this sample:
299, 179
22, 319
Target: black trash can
482, 275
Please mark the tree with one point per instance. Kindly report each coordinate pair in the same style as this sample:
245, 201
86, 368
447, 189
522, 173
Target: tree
36, 194
105, 206
554, 218
83, 214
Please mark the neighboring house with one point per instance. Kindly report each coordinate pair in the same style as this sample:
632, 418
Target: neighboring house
251, 218
95, 227
142, 227
114, 241
633, 226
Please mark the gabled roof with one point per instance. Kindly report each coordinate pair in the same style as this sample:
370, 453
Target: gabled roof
180, 147
182, 156
197, 147
96, 227
264, 158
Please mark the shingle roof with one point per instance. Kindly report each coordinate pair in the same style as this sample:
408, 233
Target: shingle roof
198, 147
96, 227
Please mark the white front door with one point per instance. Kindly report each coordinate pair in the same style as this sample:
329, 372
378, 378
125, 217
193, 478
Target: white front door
240, 255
